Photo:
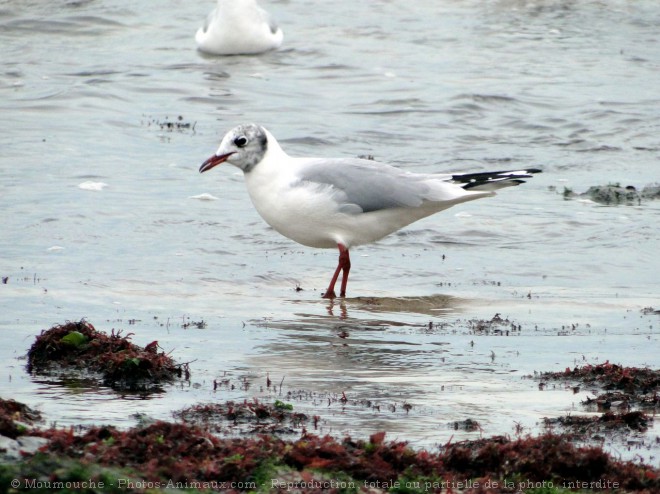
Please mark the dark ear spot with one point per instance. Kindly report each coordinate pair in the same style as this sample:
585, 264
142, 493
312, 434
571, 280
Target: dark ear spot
240, 141
263, 140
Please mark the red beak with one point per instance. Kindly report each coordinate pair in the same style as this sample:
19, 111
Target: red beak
214, 160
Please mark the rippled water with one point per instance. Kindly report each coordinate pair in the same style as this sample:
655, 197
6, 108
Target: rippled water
87, 89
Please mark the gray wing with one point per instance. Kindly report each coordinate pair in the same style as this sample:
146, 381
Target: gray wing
361, 186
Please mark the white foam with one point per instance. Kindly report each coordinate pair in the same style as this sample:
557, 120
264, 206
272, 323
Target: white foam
92, 185
204, 197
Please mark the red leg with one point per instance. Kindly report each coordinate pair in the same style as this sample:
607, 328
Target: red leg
344, 265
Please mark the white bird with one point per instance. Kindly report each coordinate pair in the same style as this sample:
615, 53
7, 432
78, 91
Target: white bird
343, 202
238, 27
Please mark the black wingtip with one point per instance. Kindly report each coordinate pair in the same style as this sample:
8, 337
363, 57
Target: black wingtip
503, 177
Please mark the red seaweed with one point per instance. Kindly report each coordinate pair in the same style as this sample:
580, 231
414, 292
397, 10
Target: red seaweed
78, 346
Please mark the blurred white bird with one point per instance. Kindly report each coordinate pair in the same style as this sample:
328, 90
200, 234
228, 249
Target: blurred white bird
238, 27
344, 202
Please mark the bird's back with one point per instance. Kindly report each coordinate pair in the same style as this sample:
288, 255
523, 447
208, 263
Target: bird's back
238, 27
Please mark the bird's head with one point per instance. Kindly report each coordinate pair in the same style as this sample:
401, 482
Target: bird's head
243, 146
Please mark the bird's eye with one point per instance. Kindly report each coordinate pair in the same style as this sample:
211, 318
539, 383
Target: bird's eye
240, 141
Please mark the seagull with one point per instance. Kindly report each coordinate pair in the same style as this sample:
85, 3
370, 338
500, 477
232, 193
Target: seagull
238, 27
343, 202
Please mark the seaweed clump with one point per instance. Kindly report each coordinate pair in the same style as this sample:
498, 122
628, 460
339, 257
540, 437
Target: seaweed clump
497, 326
615, 387
185, 455
180, 457
610, 421
248, 416
12, 417
630, 386
123, 365
612, 194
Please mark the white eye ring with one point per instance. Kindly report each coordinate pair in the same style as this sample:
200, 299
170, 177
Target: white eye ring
240, 141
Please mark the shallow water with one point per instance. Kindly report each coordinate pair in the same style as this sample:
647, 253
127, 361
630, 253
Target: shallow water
86, 91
